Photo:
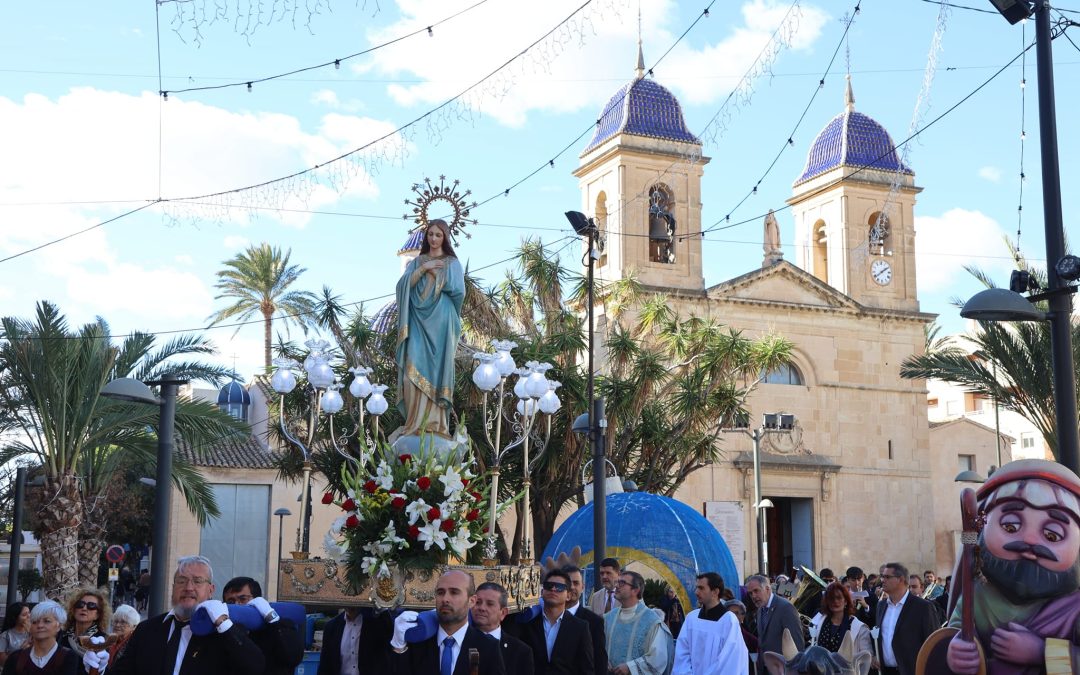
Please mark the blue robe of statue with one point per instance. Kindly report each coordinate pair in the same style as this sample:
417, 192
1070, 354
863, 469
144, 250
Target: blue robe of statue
429, 327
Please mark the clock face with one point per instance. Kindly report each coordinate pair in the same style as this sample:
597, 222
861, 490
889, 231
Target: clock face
881, 272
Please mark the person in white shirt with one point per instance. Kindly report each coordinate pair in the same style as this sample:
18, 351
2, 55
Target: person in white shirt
711, 641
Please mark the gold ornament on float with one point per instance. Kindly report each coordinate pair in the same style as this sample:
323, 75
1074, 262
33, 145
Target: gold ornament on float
428, 194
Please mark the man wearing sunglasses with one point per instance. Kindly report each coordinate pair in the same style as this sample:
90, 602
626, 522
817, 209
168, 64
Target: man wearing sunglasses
561, 643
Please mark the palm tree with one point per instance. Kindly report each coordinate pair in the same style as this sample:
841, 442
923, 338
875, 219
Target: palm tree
50, 382
258, 281
1007, 362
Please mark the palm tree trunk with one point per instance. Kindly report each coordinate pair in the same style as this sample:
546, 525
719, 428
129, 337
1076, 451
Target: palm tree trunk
92, 533
60, 513
267, 320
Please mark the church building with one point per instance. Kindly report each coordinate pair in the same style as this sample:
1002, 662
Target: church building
851, 483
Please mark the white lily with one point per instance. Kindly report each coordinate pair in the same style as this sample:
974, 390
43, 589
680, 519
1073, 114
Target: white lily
335, 550
431, 534
460, 542
339, 523
452, 480
416, 510
384, 476
391, 539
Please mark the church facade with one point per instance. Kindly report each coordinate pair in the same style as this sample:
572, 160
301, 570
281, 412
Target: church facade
852, 483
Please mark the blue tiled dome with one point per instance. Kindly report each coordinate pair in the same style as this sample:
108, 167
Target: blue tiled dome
413, 243
851, 139
233, 392
385, 320
642, 108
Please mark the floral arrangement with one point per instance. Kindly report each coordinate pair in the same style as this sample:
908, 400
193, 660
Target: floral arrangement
409, 512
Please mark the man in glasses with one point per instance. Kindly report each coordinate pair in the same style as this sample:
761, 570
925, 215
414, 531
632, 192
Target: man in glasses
279, 639
165, 645
906, 620
561, 643
638, 642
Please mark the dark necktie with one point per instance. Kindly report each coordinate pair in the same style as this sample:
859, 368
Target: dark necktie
607, 601
172, 649
447, 665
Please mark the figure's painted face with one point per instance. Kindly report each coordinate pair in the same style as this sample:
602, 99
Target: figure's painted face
1049, 537
435, 238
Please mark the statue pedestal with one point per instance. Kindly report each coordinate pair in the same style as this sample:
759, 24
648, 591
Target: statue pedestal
322, 582
446, 449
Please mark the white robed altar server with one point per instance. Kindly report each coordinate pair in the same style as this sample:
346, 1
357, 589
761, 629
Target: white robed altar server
711, 642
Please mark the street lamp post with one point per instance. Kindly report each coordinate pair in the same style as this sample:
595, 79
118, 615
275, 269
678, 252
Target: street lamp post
771, 423
281, 513
16, 536
132, 390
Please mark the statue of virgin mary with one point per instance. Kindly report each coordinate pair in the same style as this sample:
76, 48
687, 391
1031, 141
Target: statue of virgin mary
429, 297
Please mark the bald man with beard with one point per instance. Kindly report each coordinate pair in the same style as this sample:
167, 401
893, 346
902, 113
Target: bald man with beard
1026, 600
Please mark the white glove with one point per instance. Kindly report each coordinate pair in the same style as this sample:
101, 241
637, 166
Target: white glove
402, 623
262, 605
92, 660
215, 609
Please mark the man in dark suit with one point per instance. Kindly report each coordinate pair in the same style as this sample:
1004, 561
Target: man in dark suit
165, 645
488, 613
366, 644
596, 622
905, 619
279, 639
561, 643
448, 651
774, 614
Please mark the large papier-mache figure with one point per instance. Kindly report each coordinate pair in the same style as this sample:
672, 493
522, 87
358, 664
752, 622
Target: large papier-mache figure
1026, 592
429, 297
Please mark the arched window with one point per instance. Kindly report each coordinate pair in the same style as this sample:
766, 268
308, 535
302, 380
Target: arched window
820, 238
879, 233
786, 374
661, 225
601, 224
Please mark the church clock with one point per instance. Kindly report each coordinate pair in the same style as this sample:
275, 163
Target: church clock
881, 272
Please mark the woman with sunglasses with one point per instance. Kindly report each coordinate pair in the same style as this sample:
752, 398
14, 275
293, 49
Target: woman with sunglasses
45, 654
88, 615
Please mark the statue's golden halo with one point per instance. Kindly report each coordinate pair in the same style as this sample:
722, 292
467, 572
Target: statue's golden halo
428, 194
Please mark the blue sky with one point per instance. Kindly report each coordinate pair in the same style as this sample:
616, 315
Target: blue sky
84, 136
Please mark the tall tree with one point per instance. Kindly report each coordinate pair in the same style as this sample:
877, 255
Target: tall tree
257, 281
50, 382
1007, 362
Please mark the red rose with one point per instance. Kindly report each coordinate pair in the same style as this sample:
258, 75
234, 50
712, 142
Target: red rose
352, 522
405, 458
371, 486
472, 515
485, 529
433, 513
414, 531
349, 505
398, 503
423, 482
447, 525
476, 496
464, 482
328, 498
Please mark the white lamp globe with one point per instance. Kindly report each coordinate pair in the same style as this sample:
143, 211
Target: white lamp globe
486, 376
331, 402
360, 387
283, 380
504, 360
377, 404
537, 384
519, 387
549, 402
321, 375
526, 407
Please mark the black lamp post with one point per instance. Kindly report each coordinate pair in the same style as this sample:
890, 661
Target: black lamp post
16, 536
1058, 294
593, 421
280, 513
132, 390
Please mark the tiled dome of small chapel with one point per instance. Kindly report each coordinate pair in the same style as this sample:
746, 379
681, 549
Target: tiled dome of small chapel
851, 139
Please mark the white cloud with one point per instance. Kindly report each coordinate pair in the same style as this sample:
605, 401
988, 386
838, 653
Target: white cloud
944, 244
184, 259
235, 242
589, 64
990, 173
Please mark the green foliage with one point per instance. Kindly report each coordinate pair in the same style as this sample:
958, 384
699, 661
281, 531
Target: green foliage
654, 592
30, 580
